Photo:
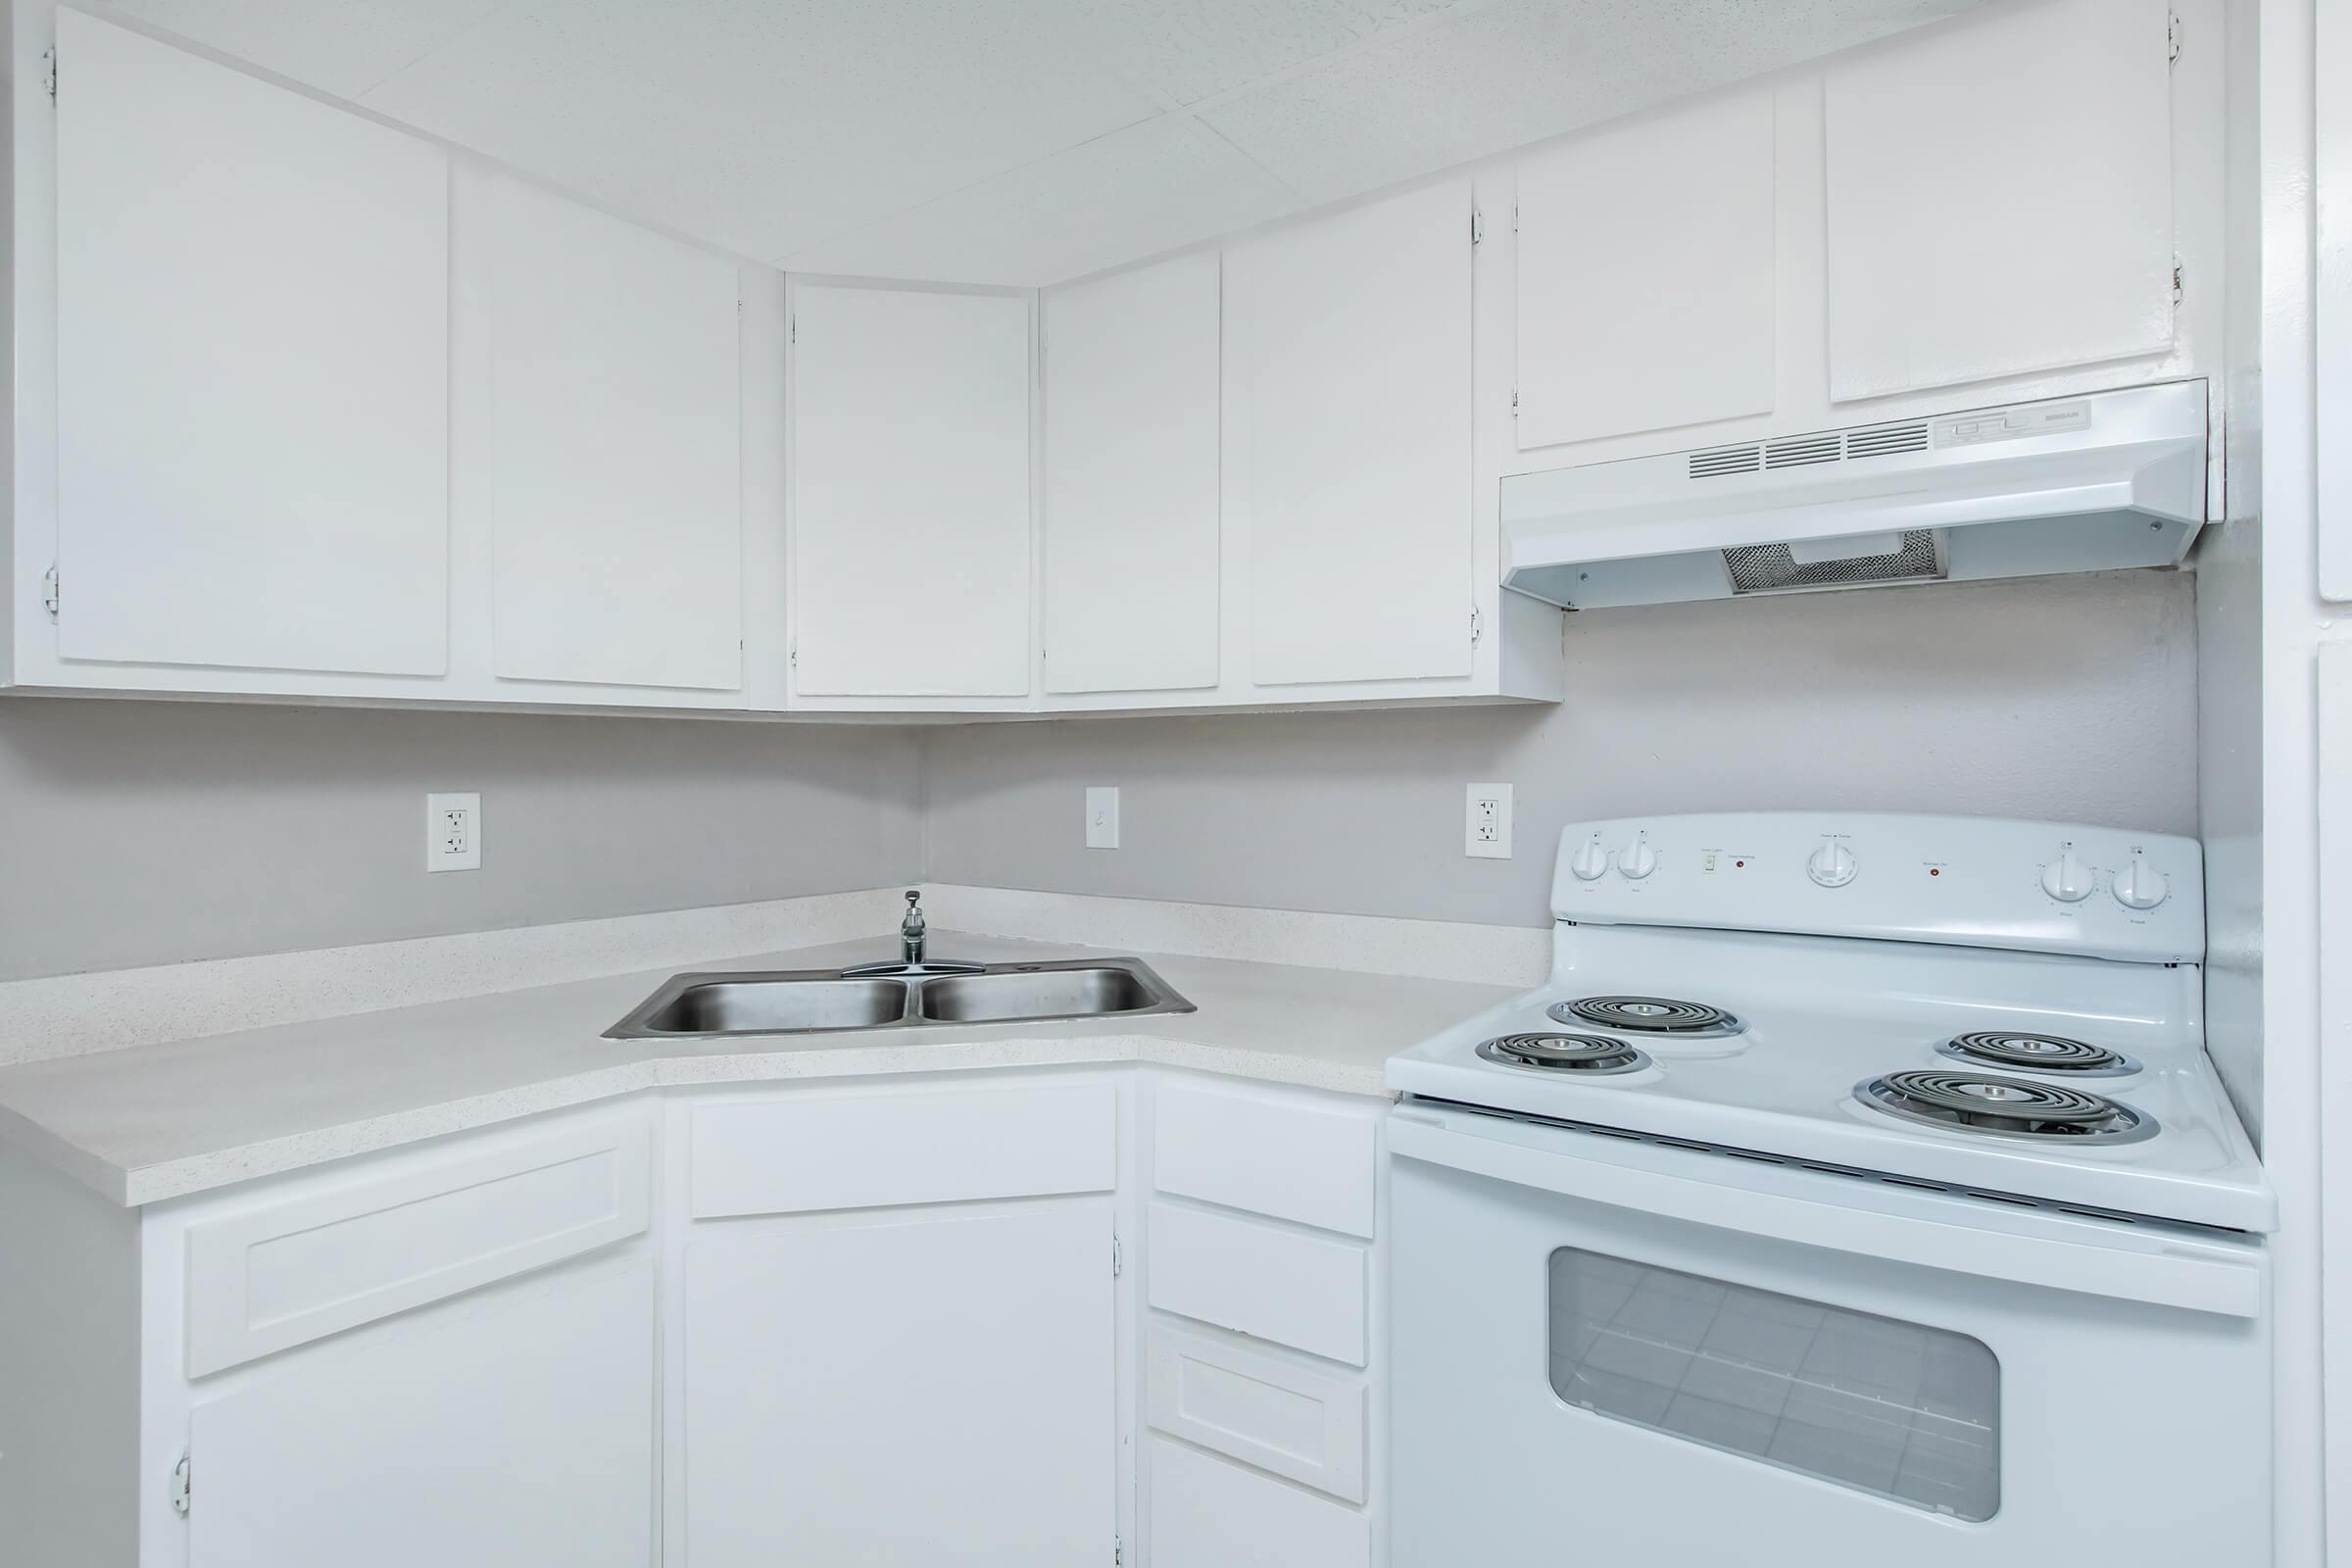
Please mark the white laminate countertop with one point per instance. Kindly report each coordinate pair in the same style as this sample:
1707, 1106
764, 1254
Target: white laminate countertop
159, 1121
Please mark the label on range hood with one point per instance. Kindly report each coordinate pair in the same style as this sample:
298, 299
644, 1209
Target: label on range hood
2010, 425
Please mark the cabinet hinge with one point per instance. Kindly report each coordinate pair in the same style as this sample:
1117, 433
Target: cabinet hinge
1514, 403
180, 1486
1514, 217
792, 329
1118, 1255
2178, 274
1478, 624
792, 656
49, 70
49, 591
1118, 1552
1478, 225
2172, 36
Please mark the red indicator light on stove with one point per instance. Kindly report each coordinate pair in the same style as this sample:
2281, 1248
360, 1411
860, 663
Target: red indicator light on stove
1934, 871
1736, 864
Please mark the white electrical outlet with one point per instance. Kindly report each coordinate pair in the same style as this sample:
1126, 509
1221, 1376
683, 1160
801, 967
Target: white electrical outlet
1103, 816
453, 832
1487, 823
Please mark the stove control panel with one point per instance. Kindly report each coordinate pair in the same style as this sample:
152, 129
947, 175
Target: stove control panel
1973, 881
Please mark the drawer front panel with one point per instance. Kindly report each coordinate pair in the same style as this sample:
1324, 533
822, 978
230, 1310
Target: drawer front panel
1299, 1422
821, 1152
1206, 1514
318, 1262
1305, 1292
1288, 1158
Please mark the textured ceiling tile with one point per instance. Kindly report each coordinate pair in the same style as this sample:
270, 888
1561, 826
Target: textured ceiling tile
1188, 50
1131, 194
1490, 81
766, 126
342, 47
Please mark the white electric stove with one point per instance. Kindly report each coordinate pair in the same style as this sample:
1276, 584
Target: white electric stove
1856, 1189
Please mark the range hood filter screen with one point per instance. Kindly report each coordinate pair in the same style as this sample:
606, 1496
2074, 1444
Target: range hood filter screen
1773, 568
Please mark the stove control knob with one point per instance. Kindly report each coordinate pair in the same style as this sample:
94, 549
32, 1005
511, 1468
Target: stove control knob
1590, 860
1833, 865
1639, 858
2140, 886
2067, 879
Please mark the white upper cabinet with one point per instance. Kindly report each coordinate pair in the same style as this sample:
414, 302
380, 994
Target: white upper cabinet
613, 446
252, 375
1348, 452
2001, 198
1131, 405
911, 506
1646, 275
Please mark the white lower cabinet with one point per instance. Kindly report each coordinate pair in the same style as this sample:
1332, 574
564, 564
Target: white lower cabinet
902, 1388
883, 1323
516, 1425
1263, 1329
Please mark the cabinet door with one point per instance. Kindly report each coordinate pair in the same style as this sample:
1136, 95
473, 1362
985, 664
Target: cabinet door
2001, 198
513, 1426
1131, 480
910, 493
903, 1389
1348, 346
1646, 275
253, 370
617, 526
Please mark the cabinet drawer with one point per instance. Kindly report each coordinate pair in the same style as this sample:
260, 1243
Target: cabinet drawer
820, 1151
1299, 1422
1270, 1156
1206, 1514
1305, 1292
284, 1273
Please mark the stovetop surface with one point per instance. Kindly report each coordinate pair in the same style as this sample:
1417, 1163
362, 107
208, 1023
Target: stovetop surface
1824, 1016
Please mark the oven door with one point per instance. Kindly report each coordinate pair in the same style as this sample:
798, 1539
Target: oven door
1610, 1352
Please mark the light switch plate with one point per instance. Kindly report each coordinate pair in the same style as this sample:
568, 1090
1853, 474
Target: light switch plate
453, 832
1103, 816
1487, 823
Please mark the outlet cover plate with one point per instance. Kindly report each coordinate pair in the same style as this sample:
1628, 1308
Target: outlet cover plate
1101, 816
453, 832
1487, 823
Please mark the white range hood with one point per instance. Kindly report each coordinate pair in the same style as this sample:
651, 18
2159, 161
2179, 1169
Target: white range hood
2069, 484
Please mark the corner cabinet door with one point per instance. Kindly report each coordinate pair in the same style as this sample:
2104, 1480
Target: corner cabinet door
1131, 373
1348, 378
513, 1425
253, 370
909, 473
2001, 198
902, 1389
613, 445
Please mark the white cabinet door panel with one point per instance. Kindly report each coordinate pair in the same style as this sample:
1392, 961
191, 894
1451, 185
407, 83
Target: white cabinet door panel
1349, 342
901, 1389
615, 448
1206, 1514
2333, 306
2001, 198
1132, 399
253, 370
1646, 275
910, 492
516, 1426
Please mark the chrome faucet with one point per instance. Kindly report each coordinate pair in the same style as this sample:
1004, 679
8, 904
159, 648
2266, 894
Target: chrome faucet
912, 931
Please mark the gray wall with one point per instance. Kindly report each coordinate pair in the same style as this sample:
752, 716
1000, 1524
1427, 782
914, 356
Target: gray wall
2071, 697
138, 833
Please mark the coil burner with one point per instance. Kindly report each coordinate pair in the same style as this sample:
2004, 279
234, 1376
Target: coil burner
1982, 1104
1590, 1055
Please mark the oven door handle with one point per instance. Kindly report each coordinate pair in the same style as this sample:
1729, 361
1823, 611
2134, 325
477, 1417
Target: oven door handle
2168, 1267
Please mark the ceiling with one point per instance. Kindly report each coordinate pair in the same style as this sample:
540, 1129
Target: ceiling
1004, 142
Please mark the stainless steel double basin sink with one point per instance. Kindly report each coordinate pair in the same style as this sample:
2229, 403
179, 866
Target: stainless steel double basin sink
789, 1001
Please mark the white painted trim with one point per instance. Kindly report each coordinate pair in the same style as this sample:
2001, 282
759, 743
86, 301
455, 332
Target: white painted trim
1427, 950
71, 1015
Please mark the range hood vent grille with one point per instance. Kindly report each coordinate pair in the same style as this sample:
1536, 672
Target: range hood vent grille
1774, 569
1801, 451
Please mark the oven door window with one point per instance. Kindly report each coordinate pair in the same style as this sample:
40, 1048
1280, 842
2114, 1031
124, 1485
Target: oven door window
1898, 1409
